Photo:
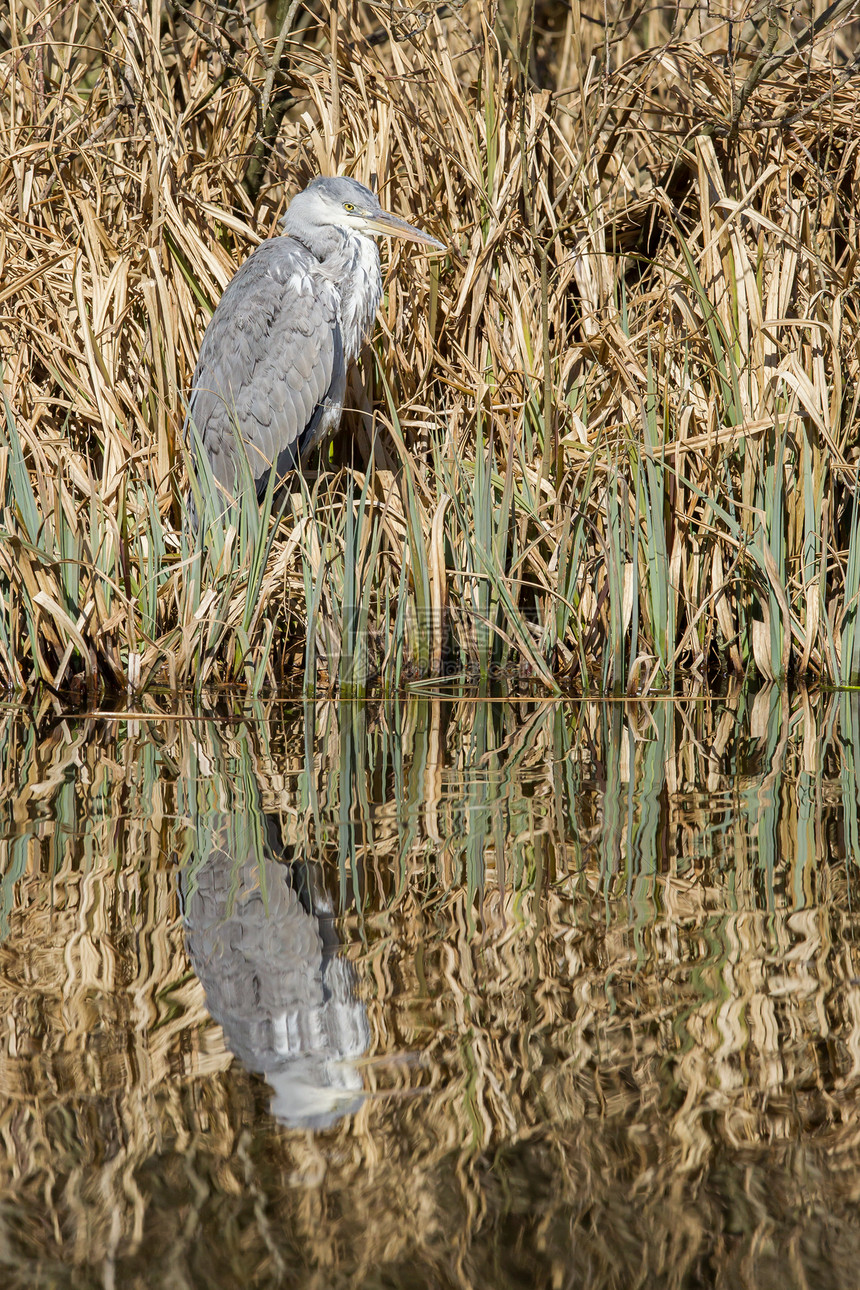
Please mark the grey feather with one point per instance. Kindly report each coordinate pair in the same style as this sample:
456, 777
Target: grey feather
252, 373
262, 938
273, 362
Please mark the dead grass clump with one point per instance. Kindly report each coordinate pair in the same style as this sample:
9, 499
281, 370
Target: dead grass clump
610, 438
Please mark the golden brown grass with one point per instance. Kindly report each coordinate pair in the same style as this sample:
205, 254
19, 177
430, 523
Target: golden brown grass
611, 437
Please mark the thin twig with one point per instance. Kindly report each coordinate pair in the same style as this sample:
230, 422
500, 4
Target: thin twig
271, 117
768, 62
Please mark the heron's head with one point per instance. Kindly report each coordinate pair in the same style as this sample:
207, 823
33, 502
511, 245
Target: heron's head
346, 204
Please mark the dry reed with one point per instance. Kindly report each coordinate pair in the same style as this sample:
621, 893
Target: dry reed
610, 439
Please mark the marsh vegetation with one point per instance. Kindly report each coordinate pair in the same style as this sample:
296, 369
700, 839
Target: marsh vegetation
610, 440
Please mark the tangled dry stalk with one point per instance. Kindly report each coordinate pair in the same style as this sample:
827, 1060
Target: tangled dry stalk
610, 439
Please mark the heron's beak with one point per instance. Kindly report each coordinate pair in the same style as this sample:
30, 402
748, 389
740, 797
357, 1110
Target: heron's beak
392, 226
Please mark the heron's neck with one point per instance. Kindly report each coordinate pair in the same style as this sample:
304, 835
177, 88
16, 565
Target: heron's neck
359, 278
350, 260
322, 241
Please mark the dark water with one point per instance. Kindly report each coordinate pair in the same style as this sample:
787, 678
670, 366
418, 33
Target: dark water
445, 994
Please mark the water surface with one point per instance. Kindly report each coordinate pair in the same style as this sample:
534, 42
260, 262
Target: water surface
437, 993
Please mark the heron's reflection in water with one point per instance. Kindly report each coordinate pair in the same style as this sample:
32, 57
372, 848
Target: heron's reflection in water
262, 939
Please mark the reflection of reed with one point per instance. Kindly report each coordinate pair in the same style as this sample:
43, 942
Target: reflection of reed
621, 939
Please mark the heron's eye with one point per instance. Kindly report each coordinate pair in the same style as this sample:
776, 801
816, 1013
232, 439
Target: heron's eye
348, 206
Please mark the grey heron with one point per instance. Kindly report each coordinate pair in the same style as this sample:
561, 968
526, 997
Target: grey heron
262, 938
273, 361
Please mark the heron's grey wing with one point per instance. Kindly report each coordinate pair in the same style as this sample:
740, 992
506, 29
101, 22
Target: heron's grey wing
271, 363
262, 940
